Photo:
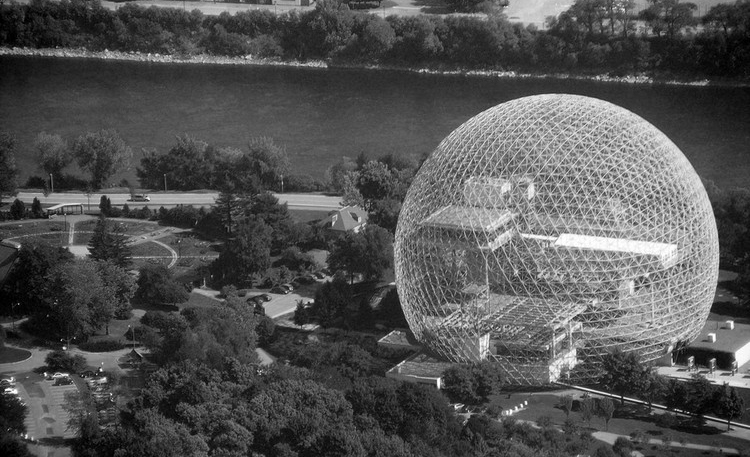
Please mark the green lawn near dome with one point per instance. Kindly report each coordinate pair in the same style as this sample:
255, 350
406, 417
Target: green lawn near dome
11, 355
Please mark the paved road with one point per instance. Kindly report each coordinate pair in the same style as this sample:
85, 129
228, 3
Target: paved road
314, 202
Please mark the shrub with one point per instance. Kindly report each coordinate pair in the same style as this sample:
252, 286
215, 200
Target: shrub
101, 346
544, 421
622, 446
666, 420
63, 361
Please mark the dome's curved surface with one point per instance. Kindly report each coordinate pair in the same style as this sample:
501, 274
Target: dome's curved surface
551, 229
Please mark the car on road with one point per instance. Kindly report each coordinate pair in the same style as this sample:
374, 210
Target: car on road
279, 290
139, 198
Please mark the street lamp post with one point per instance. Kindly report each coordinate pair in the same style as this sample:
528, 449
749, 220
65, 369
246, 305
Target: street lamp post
132, 330
165, 182
51, 184
13, 313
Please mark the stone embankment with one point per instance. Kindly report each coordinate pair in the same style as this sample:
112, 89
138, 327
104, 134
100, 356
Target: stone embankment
152, 57
252, 60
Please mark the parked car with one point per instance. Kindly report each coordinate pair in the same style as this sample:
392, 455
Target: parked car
59, 375
9, 379
10, 390
288, 286
279, 290
319, 275
5, 384
63, 381
266, 297
86, 374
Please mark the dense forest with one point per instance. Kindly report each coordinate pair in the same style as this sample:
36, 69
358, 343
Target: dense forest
592, 37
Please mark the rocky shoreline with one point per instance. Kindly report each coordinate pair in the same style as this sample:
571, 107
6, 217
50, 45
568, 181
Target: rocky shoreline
251, 60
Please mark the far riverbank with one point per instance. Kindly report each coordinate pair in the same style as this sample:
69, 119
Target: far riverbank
206, 59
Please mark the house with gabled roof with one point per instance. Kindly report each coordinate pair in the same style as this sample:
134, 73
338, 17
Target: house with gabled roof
347, 219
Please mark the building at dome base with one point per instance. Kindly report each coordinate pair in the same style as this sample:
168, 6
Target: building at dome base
550, 230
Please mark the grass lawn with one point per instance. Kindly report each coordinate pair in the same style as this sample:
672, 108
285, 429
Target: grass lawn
149, 249
10, 355
30, 227
305, 215
138, 263
133, 228
187, 244
624, 422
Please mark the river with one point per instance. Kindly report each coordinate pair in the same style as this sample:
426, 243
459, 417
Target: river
321, 115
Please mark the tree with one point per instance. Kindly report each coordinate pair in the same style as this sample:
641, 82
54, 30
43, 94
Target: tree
472, 383
247, 253
566, 404
587, 408
301, 314
105, 205
268, 161
26, 283
375, 182
654, 388
53, 154
369, 252
8, 170
157, 285
331, 302
624, 374
102, 154
122, 287
108, 243
336, 173
18, 210
12, 415
36, 208
605, 410
728, 404
80, 298
669, 16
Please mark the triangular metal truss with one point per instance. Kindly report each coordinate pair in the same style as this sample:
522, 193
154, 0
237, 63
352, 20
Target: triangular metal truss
549, 230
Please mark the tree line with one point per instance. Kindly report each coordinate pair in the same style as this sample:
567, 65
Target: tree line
593, 36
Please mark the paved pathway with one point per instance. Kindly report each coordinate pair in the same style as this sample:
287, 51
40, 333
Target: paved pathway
172, 252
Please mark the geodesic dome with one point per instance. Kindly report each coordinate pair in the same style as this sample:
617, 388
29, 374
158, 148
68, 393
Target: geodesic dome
549, 230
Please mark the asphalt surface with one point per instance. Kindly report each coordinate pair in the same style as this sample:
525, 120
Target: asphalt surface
313, 202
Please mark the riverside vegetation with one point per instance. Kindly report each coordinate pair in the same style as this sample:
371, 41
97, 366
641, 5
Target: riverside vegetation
593, 37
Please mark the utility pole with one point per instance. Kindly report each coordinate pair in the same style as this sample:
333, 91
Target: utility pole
165, 182
51, 184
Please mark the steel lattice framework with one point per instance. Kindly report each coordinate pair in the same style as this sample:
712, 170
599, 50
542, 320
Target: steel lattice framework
549, 230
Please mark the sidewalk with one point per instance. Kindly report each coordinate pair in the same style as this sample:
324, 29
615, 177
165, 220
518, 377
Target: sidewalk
741, 379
